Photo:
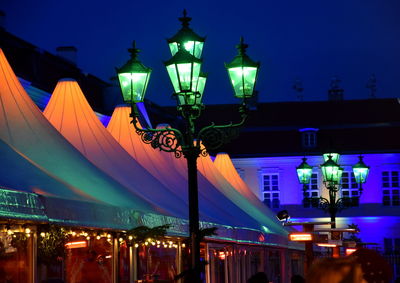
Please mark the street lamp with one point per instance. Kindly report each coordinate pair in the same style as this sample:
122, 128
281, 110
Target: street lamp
360, 171
184, 70
133, 78
332, 174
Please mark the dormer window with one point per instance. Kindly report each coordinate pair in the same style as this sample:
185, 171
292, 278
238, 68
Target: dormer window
308, 137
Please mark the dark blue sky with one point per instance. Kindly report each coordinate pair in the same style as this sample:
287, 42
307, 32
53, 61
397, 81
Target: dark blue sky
311, 40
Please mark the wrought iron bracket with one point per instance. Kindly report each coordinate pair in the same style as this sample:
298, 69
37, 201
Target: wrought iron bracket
167, 139
172, 140
214, 136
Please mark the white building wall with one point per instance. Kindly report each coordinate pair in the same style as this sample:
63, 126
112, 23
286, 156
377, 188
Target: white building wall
375, 220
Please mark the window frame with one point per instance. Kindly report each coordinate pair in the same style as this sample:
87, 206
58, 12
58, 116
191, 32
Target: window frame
271, 197
390, 188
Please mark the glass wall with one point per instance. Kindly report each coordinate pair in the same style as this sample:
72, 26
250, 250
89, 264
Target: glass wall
124, 263
15, 265
89, 260
157, 262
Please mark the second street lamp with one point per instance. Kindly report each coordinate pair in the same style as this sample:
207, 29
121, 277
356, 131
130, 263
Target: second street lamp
360, 171
133, 78
188, 82
332, 174
184, 72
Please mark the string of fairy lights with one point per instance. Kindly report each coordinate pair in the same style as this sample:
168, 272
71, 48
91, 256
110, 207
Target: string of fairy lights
84, 235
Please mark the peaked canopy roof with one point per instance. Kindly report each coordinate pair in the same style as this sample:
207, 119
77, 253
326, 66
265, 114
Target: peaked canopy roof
224, 164
30, 143
26, 130
260, 212
70, 113
173, 173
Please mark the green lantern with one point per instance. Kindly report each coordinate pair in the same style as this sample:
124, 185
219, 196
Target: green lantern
332, 171
192, 42
201, 83
133, 78
361, 171
193, 98
335, 156
183, 70
243, 72
304, 172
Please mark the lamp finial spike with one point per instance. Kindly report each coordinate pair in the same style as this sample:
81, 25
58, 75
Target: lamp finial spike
185, 19
241, 47
134, 51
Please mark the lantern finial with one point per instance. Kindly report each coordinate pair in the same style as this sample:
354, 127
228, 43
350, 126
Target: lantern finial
185, 20
241, 47
134, 51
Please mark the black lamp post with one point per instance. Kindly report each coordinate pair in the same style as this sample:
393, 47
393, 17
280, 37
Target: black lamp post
332, 174
184, 70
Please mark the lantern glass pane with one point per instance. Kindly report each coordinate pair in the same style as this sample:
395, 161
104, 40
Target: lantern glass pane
193, 47
133, 86
173, 47
201, 84
173, 75
331, 173
361, 174
243, 80
335, 157
188, 75
304, 175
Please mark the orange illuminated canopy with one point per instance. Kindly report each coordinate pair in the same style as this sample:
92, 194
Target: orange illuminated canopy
300, 237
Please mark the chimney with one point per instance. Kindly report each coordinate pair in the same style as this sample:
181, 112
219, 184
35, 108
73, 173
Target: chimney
335, 93
68, 53
2, 19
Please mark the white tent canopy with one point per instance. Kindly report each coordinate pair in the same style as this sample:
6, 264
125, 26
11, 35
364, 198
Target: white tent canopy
70, 113
26, 130
253, 207
77, 173
211, 201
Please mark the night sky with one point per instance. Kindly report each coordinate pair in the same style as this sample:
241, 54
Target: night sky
309, 40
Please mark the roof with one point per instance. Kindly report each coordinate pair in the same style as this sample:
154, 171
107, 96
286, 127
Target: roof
70, 113
78, 174
44, 69
349, 126
24, 128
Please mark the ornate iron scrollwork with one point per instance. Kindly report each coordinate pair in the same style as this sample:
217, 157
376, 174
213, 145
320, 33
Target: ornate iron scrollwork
171, 140
168, 139
214, 136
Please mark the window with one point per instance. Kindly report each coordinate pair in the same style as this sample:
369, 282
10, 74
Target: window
311, 191
391, 245
350, 188
271, 190
390, 179
391, 188
309, 137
